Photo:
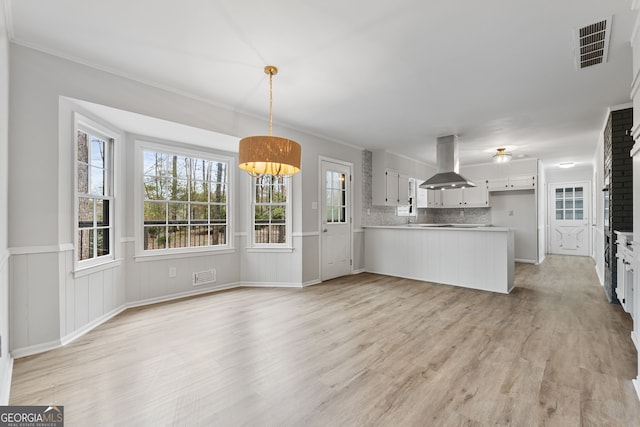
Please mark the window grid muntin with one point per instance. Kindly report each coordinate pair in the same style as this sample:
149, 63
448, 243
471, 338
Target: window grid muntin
336, 187
177, 194
569, 203
271, 210
93, 159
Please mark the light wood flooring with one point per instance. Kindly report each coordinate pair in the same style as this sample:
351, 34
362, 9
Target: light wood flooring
360, 350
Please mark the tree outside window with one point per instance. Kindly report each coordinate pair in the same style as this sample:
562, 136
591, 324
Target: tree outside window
271, 210
185, 201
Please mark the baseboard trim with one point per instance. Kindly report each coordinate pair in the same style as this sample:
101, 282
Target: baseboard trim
5, 387
525, 261
636, 385
311, 283
35, 349
52, 345
172, 297
91, 325
271, 285
358, 271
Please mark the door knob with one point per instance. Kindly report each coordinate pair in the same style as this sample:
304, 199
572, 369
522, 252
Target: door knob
324, 231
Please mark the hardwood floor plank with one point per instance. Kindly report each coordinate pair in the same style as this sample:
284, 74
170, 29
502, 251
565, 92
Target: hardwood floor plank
359, 350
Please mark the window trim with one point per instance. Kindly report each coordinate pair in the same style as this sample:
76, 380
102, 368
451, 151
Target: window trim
111, 136
142, 144
287, 246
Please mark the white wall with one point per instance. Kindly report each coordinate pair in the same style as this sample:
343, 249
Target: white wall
41, 235
5, 358
517, 210
597, 226
542, 209
556, 175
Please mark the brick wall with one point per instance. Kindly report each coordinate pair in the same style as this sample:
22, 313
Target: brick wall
618, 168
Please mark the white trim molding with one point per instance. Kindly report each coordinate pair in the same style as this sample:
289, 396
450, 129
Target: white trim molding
91, 325
111, 264
311, 283
5, 387
305, 234
48, 249
271, 285
4, 258
179, 295
35, 349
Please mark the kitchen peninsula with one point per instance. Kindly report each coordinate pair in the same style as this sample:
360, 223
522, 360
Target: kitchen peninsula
477, 257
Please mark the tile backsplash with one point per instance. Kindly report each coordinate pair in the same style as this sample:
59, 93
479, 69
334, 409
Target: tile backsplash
386, 215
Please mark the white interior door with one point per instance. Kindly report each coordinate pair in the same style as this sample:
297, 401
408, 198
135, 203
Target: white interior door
335, 225
569, 218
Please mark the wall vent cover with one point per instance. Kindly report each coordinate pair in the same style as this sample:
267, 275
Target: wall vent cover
592, 43
203, 277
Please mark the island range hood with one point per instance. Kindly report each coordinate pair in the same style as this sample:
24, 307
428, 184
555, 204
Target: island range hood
448, 166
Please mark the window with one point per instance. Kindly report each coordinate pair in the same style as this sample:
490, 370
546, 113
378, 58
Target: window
569, 203
271, 211
94, 196
336, 185
185, 200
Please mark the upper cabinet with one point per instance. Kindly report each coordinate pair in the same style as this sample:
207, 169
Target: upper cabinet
468, 197
518, 182
390, 178
428, 198
515, 175
391, 175
395, 191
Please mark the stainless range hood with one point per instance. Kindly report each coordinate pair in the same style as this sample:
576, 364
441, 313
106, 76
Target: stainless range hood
448, 166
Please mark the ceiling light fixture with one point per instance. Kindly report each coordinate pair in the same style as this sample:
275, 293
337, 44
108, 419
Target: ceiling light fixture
502, 156
269, 155
566, 165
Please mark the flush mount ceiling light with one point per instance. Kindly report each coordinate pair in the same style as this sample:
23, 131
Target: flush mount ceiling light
501, 156
269, 155
566, 165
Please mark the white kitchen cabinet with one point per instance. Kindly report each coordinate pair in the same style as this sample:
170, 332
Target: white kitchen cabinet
476, 196
451, 198
429, 198
434, 198
390, 179
391, 190
512, 182
469, 197
515, 175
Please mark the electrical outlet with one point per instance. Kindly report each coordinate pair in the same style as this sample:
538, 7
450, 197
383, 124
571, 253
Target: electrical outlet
172, 272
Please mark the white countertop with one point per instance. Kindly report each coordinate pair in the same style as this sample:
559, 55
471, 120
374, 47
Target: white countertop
456, 227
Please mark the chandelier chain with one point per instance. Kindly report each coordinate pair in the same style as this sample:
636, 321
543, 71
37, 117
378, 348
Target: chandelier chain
270, 103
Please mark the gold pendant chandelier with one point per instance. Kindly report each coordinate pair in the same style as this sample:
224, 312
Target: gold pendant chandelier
269, 155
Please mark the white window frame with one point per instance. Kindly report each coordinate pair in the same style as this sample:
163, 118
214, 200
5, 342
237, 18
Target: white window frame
84, 124
287, 245
178, 149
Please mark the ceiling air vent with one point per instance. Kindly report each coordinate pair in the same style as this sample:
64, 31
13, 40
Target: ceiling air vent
592, 43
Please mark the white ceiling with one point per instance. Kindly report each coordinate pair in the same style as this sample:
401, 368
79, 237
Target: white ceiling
391, 74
